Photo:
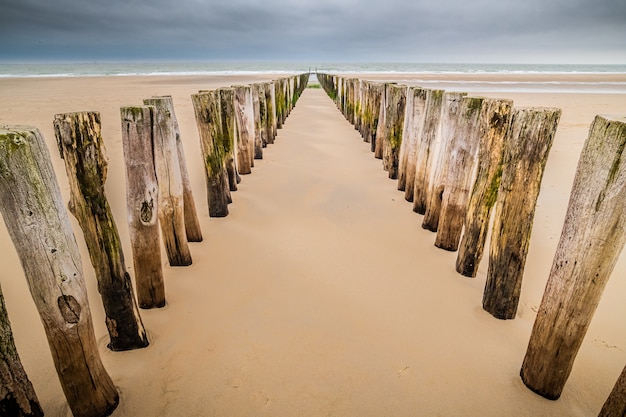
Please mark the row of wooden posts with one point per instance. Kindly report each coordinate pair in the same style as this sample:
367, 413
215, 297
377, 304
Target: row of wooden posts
234, 125
458, 159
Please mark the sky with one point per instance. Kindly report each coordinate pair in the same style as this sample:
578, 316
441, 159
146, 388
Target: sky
465, 31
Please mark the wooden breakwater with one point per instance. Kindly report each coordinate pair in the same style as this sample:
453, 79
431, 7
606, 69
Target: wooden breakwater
484, 165
235, 124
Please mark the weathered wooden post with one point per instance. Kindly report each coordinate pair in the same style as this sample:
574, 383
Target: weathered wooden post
526, 150
495, 118
229, 132
449, 118
615, 404
373, 112
456, 190
192, 223
272, 119
260, 115
208, 111
593, 236
17, 395
411, 132
142, 191
31, 205
244, 118
81, 147
426, 155
394, 120
171, 208
279, 91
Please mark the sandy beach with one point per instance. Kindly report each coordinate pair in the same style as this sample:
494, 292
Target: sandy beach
320, 294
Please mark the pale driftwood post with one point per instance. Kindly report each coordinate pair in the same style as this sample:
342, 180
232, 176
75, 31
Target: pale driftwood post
171, 208
31, 205
192, 223
229, 133
142, 191
260, 114
526, 150
272, 119
381, 129
244, 118
426, 154
458, 182
593, 236
449, 119
81, 147
411, 132
17, 395
615, 404
207, 108
494, 122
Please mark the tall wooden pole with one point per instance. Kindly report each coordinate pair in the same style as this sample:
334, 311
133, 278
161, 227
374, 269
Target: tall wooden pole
415, 115
593, 236
37, 221
81, 147
244, 118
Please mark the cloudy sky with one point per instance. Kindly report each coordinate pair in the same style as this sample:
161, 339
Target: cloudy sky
489, 31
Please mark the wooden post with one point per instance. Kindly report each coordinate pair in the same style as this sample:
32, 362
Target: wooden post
272, 119
229, 132
593, 236
279, 91
18, 396
81, 147
192, 223
494, 121
373, 112
31, 205
411, 132
394, 120
426, 153
171, 208
459, 174
208, 112
260, 115
449, 118
526, 150
244, 117
615, 404
142, 201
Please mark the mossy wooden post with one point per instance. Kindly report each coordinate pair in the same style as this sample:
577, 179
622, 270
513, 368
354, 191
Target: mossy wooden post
615, 404
192, 223
458, 182
494, 121
260, 114
81, 147
592, 239
374, 104
427, 146
280, 102
244, 117
142, 191
270, 105
526, 149
17, 395
449, 118
396, 105
208, 111
411, 132
171, 208
37, 221
229, 132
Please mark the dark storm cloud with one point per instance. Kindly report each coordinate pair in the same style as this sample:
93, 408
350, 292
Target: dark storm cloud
400, 30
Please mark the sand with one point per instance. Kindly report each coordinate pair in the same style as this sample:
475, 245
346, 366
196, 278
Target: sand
320, 294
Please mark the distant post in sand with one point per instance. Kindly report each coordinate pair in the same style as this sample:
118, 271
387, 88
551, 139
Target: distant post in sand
18, 395
229, 129
81, 147
37, 221
171, 203
260, 115
244, 118
142, 191
592, 239
526, 150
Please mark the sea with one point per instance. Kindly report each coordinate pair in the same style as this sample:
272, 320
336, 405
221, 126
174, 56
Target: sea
89, 69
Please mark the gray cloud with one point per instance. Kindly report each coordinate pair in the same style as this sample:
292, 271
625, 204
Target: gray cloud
393, 30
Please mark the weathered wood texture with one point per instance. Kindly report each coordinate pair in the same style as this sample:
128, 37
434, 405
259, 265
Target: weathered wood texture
260, 116
463, 148
208, 111
244, 119
272, 119
142, 191
192, 223
526, 150
171, 208
593, 236
396, 105
381, 129
495, 118
31, 205
17, 395
449, 118
416, 98
615, 404
229, 132
81, 147
371, 114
